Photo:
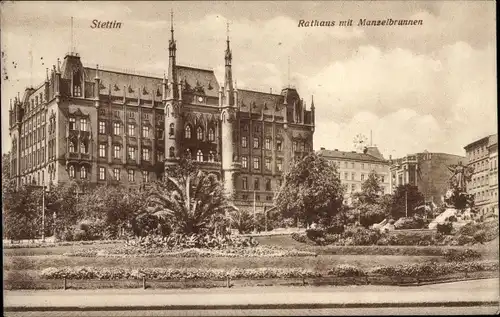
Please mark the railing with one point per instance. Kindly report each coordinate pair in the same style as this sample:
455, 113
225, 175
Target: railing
144, 283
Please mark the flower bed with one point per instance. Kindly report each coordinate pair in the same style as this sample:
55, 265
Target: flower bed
56, 244
346, 270
259, 251
82, 273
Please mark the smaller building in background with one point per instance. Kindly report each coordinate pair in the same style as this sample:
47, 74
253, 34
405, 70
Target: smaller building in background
482, 156
354, 168
428, 171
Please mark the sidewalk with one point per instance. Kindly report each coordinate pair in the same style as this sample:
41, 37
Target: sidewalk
470, 293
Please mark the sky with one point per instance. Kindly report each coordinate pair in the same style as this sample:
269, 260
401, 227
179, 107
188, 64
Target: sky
413, 88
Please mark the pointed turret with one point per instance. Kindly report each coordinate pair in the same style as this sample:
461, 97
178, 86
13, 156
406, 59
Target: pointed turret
228, 77
172, 73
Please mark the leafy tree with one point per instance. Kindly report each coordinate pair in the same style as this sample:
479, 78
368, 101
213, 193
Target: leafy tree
21, 211
190, 199
311, 191
406, 197
370, 190
370, 214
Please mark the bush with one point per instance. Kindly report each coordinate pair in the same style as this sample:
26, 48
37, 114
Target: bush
490, 229
300, 237
463, 239
316, 235
480, 236
422, 238
453, 255
362, 236
336, 227
346, 270
409, 223
444, 228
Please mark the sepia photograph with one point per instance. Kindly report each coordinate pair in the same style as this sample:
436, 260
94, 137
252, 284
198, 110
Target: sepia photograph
249, 158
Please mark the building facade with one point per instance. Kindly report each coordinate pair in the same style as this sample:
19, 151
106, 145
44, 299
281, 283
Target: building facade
482, 156
112, 127
428, 171
354, 167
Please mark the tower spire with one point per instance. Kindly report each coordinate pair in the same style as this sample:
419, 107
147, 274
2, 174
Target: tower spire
172, 24
172, 48
228, 78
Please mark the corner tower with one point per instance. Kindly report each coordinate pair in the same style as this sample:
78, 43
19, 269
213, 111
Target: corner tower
172, 104
228, 96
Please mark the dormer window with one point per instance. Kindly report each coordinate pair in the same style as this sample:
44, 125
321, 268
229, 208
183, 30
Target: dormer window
77, 84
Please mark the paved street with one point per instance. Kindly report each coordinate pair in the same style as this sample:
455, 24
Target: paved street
461, 297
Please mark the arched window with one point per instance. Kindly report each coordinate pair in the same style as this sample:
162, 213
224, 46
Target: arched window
187, 132
199, 133
171, 152
171, 130
211, 156
77, 84
188, 153
72, 171
83, 172
71, 146
211, 135
199, 156
84, 148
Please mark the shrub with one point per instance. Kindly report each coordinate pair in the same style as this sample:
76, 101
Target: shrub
346, 270
444, 228
336, 227
316, 235
409, 223
463, 239
300, 237
480, 236
490, 229
453, 255
362, 236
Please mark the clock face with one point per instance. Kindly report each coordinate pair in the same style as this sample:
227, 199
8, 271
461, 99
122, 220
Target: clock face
200, 99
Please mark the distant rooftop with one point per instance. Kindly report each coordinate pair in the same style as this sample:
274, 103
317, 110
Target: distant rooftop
353, 155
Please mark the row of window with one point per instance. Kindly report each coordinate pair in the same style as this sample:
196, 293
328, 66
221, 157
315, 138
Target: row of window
486, 194
256, 184
32, 159
353, 177
354, 165
256, 143
37, 179
478, 152
84, 124
200, 157
117, 114
257, 197
35, 102
84, 147
31, 138
131, 131
131, 153
33, 122
256, 163
199, 133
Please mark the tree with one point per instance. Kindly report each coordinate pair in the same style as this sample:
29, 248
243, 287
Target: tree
21, 211
311, 191
370, 190
405, 198
189, 198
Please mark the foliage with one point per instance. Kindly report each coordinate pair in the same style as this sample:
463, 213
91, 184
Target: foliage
362, 236
490, 229
370, 190
480, 236
311, 191
405, 197
300, 237
409, 223
189, 200
21, 211
453, 255
115, 273
370, 213
444, 228
346, 270
181, 241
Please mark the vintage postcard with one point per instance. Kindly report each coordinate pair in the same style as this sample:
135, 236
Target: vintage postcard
164, 158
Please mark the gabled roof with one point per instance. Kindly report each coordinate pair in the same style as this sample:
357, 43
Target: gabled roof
197, 77
352, 156
255, 101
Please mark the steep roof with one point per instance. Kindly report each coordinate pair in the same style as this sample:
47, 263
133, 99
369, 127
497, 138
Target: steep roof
255, 101
146, 86
353, 156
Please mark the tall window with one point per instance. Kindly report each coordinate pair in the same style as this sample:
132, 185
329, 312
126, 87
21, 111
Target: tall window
102, 150
279, 144
256, 184
211, 135
116, 151
71, 171
72, 123
294, 146
71, 146
244, 141
171, 130
353, 187
171, 152
116, 174
256, 163
199, 133
362, 177
131, 129
102, 173
345, 165
211, 156
83, 172
244, 183
187, 132
268, 184
346, 175
268, 163
245, 127
131, 153
279, 164
199, 156
84, 148
244, 161
255, 143
145, 176
160, 156
353, 176
131, 176
268, 143
83, 124
116, 128
102, 127
382, 179
145, 131
145, 154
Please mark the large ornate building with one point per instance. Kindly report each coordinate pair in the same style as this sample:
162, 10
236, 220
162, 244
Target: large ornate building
106, 126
